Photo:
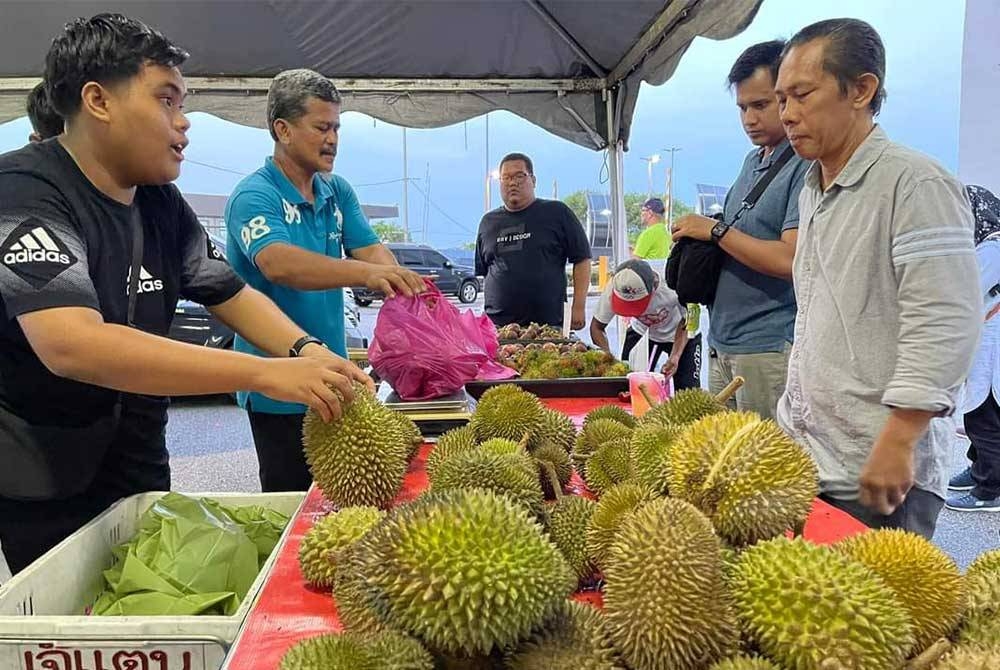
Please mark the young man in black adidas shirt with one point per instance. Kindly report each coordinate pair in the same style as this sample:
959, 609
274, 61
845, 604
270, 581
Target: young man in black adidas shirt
84, 362
522, 249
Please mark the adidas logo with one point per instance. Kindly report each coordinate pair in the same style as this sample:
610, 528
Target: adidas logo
147, 282
35, 246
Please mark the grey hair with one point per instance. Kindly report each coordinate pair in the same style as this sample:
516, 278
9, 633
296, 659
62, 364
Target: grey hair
290, 91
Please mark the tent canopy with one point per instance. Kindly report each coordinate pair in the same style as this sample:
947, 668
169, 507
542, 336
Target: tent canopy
416, 63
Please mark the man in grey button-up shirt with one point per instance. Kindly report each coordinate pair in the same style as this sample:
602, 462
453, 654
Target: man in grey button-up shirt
886, 281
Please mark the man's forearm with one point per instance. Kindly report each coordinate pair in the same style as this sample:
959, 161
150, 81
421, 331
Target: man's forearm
581, 282
599, 337
298, 268
378, 254
680, 340
257, 319
125, 359
766, 256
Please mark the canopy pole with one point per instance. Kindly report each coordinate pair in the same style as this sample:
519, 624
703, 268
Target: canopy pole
619, 226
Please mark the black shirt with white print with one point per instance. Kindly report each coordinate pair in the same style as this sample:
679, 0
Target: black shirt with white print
63, 243
523, 256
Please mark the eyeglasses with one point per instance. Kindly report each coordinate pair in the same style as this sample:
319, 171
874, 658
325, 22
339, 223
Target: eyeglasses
516, 178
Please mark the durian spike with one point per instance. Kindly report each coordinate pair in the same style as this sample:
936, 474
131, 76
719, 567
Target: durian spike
645, 395
929, 658
725, 394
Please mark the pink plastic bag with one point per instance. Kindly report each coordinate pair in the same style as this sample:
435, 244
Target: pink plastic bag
425, 348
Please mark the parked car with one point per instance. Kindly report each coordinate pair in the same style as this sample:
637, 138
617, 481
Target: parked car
196, 325
451, 279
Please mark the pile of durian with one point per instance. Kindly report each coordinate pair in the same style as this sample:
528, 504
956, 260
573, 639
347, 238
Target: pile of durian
692, 541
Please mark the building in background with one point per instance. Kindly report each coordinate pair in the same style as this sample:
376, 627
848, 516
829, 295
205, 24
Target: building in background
979, 132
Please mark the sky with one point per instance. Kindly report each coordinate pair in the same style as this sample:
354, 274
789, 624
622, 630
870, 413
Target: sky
694, 111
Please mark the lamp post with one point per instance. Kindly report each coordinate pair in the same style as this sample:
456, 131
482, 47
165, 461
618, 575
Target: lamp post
490, 177
670, 188
650, 162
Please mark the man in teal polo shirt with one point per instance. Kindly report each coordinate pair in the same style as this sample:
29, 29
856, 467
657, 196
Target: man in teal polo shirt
289, 230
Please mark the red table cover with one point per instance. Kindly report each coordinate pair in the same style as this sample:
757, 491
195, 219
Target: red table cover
288, 610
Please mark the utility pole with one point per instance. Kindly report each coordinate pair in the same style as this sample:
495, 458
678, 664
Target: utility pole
427, 202
670, 187
406, 193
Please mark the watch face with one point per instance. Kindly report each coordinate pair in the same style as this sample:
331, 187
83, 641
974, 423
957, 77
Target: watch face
719, 229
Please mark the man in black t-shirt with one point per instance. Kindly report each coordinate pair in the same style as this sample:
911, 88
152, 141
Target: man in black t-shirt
96, 247
522, 248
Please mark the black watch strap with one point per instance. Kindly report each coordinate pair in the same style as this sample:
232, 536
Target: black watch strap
719, 231
300, 343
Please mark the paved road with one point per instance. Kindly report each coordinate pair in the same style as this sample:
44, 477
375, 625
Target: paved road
211, 450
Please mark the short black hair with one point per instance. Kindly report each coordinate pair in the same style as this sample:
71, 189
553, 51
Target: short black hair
44, 119
765, 54
853, 49
517, 156
106, 48
290, 91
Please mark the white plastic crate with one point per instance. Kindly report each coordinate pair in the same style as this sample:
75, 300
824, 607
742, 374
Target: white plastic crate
43, 624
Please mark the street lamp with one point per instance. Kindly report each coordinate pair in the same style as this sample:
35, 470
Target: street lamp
650, 162
490, 177
670, 188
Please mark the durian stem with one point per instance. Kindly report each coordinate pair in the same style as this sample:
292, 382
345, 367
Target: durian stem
725, 394
930, 656
550, 473
525, 439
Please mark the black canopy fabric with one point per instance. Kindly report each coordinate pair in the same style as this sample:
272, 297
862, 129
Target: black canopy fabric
565, 65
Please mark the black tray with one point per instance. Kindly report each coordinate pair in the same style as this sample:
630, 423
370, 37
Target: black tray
571, 387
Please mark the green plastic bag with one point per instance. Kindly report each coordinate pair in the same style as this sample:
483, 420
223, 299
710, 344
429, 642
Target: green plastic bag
190, 557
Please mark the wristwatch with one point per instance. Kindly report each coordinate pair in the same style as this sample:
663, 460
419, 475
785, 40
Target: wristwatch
719, 231
300, 344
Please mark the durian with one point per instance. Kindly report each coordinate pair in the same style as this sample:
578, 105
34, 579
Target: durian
321, 548
509, 412
331, 652
507, 474
598, 433
613, 412
981, 630
809, 608
361, 458
664, 597
650, 455
609, 465
926, 580
409, 427
401, 652
465, 571
451, 442
348, 651
745, 663
614, 507
745, 474
574, 639
686, 407
988, 561
501, 446
556, 428
568, 521
970, 658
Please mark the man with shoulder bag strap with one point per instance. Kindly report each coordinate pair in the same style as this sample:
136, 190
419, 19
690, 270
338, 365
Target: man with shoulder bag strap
752, 311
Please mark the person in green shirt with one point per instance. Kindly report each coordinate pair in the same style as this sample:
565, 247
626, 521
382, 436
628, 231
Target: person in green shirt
654, 241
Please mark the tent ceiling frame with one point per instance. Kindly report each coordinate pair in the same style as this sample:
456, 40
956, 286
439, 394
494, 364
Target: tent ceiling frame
259, 85
560, 30
664, 24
